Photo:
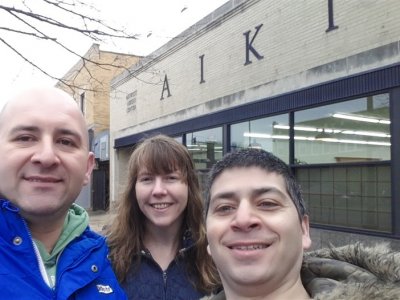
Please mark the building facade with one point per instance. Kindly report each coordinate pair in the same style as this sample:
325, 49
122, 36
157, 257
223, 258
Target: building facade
315, 82
88, 82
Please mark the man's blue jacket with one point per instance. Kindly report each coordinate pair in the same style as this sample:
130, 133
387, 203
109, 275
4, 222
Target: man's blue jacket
83, 270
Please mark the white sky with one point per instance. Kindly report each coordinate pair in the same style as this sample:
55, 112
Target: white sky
163, 18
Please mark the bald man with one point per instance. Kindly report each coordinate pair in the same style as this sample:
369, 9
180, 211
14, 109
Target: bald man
47, 250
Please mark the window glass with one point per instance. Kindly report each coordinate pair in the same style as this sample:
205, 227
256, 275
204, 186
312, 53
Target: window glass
270, 134
351, 196
346, 195
205, 147
178, 139
351, 131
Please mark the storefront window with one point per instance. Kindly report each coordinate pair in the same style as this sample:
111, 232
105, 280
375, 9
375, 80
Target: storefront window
205, 147
352, 196
178, 139
351, 131
352, 139
271, 134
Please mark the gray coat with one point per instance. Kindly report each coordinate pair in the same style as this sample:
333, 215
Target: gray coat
352, 272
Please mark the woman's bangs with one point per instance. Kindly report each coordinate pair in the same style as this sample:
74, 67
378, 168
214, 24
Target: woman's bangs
159, 161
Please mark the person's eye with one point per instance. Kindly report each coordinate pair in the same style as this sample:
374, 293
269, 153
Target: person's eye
145, 179
66, 142
172, 177
25, 138
268, 204
224, 209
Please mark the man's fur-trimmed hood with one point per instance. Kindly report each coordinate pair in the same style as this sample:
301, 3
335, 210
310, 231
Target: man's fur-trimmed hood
352, 272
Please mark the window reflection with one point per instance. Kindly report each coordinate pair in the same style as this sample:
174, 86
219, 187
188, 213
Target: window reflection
351, 131
205, 147
270, 134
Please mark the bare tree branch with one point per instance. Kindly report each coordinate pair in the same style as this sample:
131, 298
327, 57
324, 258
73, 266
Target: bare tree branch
93, 33
26, 33
119, 33
91, 27
27, 60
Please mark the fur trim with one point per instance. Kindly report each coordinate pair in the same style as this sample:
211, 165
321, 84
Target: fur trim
352, 272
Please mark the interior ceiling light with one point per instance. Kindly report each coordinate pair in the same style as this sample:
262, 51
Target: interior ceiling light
360, 118
257, 135
325, 138
281, 126
325, 132
367, 133
359, 142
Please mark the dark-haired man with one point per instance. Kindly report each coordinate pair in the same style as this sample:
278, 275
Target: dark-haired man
257, 227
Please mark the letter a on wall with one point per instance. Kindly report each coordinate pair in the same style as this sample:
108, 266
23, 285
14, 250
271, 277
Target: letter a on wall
165, 88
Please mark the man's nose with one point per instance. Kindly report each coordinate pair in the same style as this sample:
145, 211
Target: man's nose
246, 217
45, 153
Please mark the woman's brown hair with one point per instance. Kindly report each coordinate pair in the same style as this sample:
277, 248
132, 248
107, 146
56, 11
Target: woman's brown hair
161, 155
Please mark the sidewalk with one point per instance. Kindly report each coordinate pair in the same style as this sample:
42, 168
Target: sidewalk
100, 218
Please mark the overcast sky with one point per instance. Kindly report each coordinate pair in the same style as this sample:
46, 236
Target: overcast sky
164, 19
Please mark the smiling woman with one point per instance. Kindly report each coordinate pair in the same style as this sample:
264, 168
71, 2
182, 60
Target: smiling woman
157, 240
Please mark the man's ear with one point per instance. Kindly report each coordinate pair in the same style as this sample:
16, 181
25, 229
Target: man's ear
305, 228
89, 168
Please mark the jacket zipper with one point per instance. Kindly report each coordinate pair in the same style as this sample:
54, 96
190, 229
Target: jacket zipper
40, 265
147, 254
164, 274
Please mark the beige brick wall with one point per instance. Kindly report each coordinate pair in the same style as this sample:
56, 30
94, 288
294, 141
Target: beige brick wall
297, 50
292, 40
93, 78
